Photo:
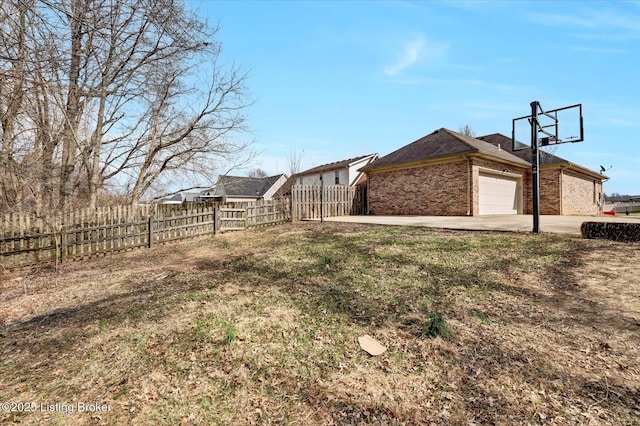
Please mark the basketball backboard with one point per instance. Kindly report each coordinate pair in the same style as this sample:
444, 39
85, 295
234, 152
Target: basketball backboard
556, 126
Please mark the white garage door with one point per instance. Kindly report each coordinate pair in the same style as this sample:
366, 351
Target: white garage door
497, 194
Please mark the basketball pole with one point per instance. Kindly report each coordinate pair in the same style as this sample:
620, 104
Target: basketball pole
552, 138
535, 160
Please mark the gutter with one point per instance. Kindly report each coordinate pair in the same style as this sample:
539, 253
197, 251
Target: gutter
576, 168
405, 165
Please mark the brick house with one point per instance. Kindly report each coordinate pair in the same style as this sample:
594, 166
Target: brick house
450, 174
566, 188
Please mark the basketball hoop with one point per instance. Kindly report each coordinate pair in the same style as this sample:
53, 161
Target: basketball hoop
558, 126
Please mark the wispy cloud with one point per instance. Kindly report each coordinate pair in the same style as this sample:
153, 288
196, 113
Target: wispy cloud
604, 50
591, 25
461, 82
596, 154
589, 19
621, 122
494, 107
472, 68
609, 37
410, 55
416, 50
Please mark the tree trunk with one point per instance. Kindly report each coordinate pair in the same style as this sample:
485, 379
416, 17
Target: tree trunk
73, 107
14, 99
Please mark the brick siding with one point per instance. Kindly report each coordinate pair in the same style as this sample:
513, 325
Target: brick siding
433, 190
550, 191
580, 194
441, 190
575, 198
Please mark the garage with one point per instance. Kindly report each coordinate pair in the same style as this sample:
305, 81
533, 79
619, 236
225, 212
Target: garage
497, 194
447, 174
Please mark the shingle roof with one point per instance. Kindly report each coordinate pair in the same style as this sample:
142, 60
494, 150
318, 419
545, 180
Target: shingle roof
546, 158
173, 198
333, 166
441, 143
190, 197
242, 186
505, 142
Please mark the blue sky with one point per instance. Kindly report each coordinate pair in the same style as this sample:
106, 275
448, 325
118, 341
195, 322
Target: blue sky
337, 80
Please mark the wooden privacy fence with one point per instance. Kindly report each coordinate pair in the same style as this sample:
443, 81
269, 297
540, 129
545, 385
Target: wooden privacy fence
316, 201
240, 215
33, 239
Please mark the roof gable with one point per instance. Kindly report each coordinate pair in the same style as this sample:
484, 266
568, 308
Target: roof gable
242, 186
176, 198
336, 165
546, 158
505, 143
441, 143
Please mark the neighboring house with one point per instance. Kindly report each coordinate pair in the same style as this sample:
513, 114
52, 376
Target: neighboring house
450, 174
174, 199
187, 197
345, 172
622, 204
240, 188
566, 188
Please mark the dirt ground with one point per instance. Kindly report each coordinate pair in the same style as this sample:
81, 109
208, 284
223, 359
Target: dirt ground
559, 336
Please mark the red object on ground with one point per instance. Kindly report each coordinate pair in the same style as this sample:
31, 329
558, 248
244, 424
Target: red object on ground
611, 213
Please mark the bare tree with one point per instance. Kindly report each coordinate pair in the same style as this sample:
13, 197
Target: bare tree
13, 18
257, 173
295, 161
467, 131
73, 110
120, 97
30, 113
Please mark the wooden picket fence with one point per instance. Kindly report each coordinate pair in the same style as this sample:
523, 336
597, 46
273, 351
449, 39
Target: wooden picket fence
240, 215
315, 201
29, 239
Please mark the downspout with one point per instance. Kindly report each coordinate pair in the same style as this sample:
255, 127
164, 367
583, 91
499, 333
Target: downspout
561, 191
602, 199
468, 185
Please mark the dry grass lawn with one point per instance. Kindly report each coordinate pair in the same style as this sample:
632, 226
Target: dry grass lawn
261, 327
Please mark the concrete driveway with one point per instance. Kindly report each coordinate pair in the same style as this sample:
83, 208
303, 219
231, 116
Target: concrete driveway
513, 223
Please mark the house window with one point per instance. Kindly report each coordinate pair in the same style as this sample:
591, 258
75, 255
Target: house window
337, 177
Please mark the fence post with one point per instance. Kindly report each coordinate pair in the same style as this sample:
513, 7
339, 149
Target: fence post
63, 242
216, 215
321, 201
150, 230
245, 216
